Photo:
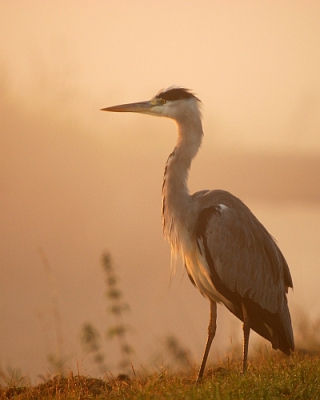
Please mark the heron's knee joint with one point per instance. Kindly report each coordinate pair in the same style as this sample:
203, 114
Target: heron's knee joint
212, 329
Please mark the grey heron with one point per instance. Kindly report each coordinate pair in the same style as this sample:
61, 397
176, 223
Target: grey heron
228, 254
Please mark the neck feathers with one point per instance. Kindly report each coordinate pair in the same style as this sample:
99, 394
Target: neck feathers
176, 204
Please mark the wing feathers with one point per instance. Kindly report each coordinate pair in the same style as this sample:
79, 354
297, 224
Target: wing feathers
246, 265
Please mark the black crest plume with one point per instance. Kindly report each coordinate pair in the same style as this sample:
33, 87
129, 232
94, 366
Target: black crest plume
176, 93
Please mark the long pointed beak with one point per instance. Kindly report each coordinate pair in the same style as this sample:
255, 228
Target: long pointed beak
140, 107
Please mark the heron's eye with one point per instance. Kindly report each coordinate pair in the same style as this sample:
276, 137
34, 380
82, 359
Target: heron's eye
162, 101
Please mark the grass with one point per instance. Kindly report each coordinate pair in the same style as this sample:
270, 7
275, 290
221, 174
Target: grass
276, 377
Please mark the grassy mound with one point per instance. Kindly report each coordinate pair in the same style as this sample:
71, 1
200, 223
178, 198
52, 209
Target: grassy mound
296, 377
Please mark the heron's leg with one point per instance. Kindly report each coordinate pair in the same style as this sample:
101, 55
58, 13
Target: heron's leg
246, 334
211, 332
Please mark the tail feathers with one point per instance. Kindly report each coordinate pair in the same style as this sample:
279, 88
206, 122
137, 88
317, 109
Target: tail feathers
275, 327
282, 335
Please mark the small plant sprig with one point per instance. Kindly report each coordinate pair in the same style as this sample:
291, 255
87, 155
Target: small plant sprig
117, 308
91, 343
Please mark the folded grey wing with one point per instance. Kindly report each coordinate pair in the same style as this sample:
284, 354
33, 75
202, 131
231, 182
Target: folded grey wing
244, 256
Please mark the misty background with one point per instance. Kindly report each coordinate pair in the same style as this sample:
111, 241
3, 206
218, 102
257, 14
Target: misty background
76, 182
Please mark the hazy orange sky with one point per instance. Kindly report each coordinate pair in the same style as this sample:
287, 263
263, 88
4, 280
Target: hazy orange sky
76, 181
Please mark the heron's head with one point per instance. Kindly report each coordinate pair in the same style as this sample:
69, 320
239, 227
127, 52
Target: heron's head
173, 102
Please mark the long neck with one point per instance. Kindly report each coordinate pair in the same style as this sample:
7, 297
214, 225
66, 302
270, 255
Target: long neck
175, 194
